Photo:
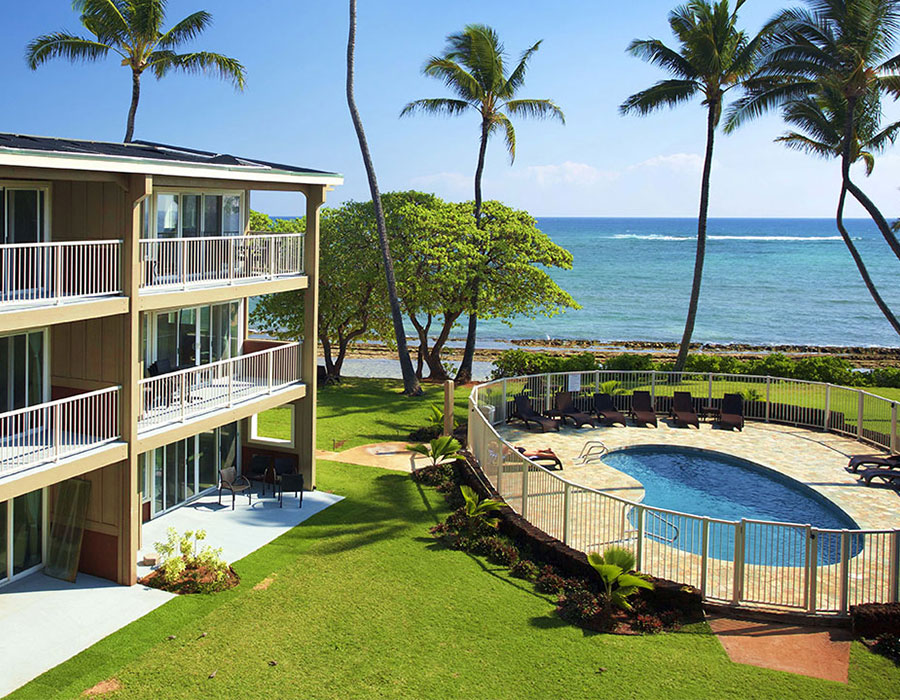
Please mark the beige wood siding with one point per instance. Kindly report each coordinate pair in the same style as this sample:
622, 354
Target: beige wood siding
86, 211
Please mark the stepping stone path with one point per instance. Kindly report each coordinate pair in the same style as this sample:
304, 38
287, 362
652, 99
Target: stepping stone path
820, 652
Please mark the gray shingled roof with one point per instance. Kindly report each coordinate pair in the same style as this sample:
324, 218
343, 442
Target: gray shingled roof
144, 150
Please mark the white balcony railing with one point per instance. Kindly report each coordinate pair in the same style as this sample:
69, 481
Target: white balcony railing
178, 396
181, 263
34, 274
50, 431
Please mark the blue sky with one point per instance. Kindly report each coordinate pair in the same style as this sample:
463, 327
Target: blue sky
293, 109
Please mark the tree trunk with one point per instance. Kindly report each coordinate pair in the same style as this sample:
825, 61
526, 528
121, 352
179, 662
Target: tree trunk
411, 385
135, 98
330, 369
711, 121
860, 265
850, 186
464, 373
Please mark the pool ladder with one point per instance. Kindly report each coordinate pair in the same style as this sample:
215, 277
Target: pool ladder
592, 450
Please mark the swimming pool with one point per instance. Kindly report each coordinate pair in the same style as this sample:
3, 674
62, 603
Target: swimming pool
705, 483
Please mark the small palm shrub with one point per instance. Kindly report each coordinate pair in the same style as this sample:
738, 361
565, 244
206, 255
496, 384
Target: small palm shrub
615, 567
440, 450
524, 569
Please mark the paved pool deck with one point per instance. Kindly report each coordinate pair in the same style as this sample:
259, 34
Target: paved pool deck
815, 459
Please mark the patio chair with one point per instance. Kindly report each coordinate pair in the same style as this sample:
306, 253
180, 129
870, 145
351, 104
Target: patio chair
732, 413
889, 475
290, 482
872, 460
544, 457
642, 409
525, 412
683, 410
566, 409
230, 481
606, 410
259, 467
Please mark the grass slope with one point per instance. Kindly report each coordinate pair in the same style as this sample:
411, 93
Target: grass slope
363, 604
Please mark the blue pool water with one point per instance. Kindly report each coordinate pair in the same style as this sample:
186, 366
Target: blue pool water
727, 488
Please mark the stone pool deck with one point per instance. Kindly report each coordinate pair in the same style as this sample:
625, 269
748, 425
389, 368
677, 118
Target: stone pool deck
815, 459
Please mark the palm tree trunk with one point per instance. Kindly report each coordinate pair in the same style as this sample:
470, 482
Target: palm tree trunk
711, 121
135, 98
464, 373
850, 186
411, 385
860, 265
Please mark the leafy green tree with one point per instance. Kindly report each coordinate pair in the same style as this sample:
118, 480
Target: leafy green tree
411, 385
133, 30
832, 50
473, 68
444, 254
713, 57
352, 302
441, 450
821, 123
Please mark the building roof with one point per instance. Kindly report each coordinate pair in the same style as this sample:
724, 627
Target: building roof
150, 158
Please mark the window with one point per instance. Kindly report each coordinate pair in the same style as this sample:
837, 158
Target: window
275, 425
188, 215
22, 370
192, 336
23, 214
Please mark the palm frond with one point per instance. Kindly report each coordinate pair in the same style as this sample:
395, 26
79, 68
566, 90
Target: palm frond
509, 134
200, 62
799, 142
517, 77
187, 29
103, 18
535, 109
436, 105
665, 93
63, 45
455, 77
656, 52
147, 17
755, 104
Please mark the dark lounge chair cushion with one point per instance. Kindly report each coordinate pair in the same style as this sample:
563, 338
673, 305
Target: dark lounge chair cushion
642, 408
683, 409
526, 413
606, 409
567, 409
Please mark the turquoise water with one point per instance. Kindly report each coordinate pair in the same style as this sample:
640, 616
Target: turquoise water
778, 281
727, 488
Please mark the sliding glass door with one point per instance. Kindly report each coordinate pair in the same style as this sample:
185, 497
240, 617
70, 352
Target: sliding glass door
187, 468
194, 336
23, 369
23, 219
22, 535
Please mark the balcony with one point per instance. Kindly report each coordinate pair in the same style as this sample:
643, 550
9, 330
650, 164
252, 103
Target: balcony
50, 432
62, 274
179, 264
180, 396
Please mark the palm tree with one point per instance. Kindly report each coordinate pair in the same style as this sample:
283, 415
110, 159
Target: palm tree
411, 385
472, 67
821, 121
713, 57
843, 46
133, 30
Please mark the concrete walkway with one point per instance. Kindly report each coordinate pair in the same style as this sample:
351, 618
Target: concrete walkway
45, 621
820, 652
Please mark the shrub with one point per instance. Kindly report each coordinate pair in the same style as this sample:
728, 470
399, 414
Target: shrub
579, 606
426, 433
503, 553
514, 363
435, 475
524, 569
439, 451
549, 581
888, 645
885, 376
647, 624
631, 362
614, 567
485, 544
186, 568
670, 619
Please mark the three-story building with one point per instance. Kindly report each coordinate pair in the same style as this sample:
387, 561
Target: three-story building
127, 377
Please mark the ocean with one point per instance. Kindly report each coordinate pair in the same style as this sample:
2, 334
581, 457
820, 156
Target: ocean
766, 281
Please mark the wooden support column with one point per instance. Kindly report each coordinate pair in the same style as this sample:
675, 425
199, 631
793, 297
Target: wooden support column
140, 187
305, 408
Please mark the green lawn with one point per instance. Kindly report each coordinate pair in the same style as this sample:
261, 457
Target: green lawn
364, 604
362, 411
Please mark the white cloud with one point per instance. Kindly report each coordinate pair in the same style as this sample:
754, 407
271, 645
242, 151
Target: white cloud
446, 181
569, 173
676, 162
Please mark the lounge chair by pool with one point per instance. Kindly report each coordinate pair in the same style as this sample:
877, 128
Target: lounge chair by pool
683, 410
607, 411
887, 474
732, 413
525, 412
642, 409
544, 457
874, 460
566, 409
